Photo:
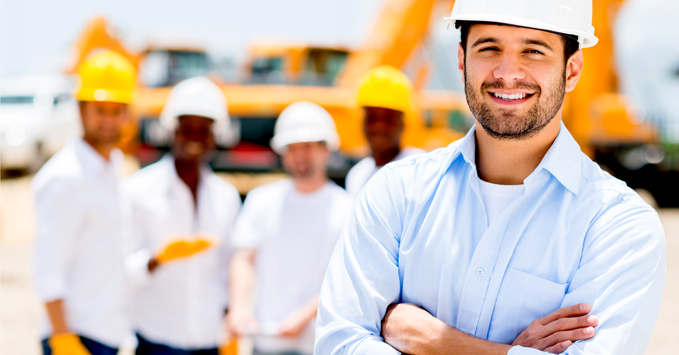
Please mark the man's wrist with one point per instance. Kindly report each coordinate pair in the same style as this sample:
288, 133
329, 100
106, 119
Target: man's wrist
435, 337
237, 308
152, 264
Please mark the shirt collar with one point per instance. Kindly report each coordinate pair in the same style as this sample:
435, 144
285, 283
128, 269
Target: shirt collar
94, 162
468, 147
167, 163
562, 159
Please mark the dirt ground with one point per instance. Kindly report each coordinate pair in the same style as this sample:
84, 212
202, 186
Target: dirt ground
20, 309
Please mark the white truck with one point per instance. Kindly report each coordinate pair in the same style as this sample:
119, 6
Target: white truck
37, 115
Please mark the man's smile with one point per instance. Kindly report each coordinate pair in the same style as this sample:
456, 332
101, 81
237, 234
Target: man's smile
510, 97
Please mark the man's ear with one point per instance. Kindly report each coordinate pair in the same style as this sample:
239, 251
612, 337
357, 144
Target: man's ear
460, 59
574, 69
81, 110
127, 114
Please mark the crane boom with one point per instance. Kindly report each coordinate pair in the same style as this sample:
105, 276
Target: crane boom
401, 25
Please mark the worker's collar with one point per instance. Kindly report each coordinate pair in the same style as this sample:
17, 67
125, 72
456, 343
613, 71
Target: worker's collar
94, 162
167, 162
563, 159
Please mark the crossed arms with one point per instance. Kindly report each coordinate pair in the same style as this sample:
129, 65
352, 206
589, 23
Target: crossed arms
620, 275
412, 330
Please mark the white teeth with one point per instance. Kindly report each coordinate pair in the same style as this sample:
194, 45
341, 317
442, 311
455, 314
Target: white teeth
510, 97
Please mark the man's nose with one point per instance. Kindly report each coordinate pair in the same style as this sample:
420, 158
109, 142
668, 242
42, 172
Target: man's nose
378, 123
110, 118
509, 68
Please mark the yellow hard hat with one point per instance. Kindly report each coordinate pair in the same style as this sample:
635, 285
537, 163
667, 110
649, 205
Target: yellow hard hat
106, 76
386, 86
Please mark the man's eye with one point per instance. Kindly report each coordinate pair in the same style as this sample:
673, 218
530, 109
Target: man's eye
487, 49
533, 51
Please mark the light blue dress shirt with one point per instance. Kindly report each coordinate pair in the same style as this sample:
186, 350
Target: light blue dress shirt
419, 234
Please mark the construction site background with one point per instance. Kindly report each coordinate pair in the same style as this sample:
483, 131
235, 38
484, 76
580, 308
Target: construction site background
623, 112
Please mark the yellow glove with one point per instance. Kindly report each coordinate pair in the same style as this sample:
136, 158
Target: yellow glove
182, 249
229, 349
67, 344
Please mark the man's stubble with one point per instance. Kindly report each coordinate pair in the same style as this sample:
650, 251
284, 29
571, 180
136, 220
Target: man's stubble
508, 124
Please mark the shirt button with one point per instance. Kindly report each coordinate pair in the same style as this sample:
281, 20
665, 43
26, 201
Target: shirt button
479, 272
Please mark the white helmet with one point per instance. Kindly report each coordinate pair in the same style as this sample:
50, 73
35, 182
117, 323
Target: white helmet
572, 17
196, 96
304, 122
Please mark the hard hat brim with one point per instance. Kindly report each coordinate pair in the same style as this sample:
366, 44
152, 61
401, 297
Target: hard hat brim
283, 139
104, 95
585, 39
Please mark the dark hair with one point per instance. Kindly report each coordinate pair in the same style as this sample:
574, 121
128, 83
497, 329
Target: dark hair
570, 44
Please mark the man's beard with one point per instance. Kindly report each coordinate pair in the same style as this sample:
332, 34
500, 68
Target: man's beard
508, 124
103, 139
302, 171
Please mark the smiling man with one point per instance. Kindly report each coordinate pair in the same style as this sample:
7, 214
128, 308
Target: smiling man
509, 240
181, 216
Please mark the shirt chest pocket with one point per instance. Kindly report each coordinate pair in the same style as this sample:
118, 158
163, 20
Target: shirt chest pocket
523, 298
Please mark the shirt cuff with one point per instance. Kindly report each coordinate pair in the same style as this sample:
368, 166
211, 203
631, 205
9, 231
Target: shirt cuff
373, 345
137, 267
51, 287
520, 350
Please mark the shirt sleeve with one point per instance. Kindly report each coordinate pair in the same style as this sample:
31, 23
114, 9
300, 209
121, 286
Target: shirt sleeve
350, 182
248, 224
362, 278
622, 276
235, 205
59, 216
136, 249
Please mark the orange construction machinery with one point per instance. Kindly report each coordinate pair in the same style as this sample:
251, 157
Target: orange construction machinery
280, 74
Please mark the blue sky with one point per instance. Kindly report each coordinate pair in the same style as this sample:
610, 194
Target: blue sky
37, 35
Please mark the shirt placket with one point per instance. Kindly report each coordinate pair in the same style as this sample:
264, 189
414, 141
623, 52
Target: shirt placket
193, 275
486, 269
190, 226
492, 264
478, 276
518, 219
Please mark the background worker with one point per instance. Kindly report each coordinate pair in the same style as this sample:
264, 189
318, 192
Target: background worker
385, 99
510, 240
182, 215
285, 234
78, 262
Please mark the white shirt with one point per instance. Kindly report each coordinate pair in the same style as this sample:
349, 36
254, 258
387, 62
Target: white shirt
181, 304
497, 197
419, 234
360, 173
78, 246
294, 234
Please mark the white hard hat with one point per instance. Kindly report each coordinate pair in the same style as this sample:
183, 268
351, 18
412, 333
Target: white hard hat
196, 96
304, 122
571, 17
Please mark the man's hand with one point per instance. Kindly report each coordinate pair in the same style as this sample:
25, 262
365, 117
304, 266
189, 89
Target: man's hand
67, 344
555, 332
182, 249
406, 327
241, 323
293, 325
411, 329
